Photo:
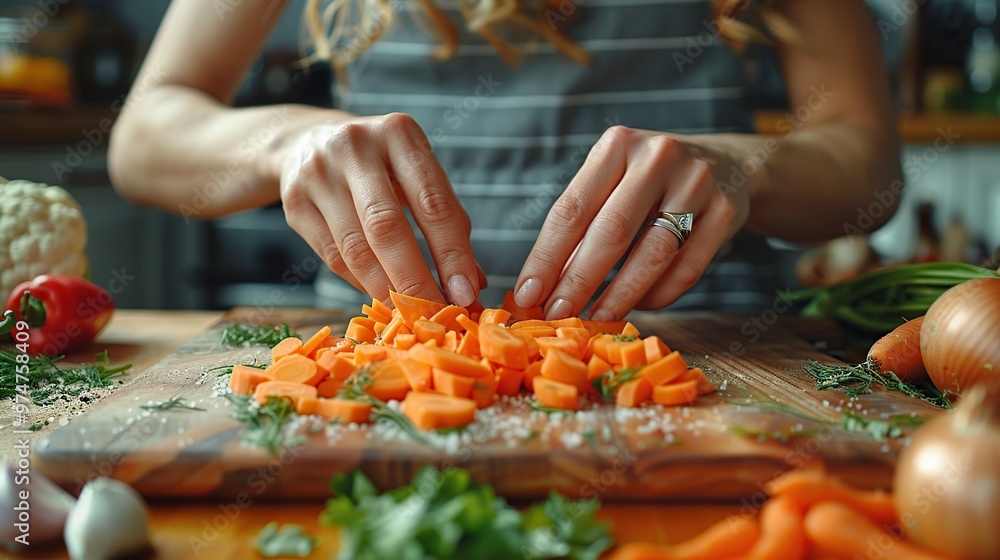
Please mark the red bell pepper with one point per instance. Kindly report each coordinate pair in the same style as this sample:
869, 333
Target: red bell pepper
62, 313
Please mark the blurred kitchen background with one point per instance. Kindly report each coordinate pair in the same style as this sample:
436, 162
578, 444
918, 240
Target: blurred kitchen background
65, 66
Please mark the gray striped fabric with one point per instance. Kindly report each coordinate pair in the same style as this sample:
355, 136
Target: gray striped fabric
511, 138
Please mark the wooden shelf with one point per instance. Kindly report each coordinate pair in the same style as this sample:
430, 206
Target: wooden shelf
915, 128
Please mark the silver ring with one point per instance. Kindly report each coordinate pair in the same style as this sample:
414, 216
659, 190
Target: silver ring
678, 224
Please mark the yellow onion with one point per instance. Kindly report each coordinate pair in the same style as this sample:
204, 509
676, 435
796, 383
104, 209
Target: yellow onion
947, 482
960, 337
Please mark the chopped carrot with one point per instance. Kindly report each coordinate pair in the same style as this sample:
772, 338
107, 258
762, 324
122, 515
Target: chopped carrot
412, 308
567, 346
382, 310
509, 380
782, 534
518, 313
474, 309
344, 411
502, 346
306, 405
448, 361
665, 370
418, 375
537, 332
286, 347
837, 530
604, 327
596, 367
598, 345
533, 370
452, 384
555, 394
339, 366
361, 329
405, 341
296, 368
565, 369
533, 352
329, 387
579, 334
469, 346
391, 331
369, 311
283, 389
676, 394
532, 324
494, 317
899, 352
450, 341
244, 379
448, 316
568, 322
634, 392
484, 391
378, 328
633, 354
630, 330
430, 411
429, 330
465, 322
655, 348
705, 387
807, 488
365, 354
388, 383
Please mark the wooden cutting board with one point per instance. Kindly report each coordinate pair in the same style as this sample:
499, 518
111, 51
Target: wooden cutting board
656, 453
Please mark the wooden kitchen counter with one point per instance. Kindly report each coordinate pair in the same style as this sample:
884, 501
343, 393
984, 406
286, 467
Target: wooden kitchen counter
192, 529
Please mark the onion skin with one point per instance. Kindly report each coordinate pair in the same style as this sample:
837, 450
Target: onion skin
947, 482
960, 337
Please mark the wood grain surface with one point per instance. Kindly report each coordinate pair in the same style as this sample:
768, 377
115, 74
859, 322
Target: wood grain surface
191, 453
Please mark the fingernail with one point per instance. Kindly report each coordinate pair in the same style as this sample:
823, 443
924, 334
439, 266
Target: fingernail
529, 294
561, 309
602, 315
460, 290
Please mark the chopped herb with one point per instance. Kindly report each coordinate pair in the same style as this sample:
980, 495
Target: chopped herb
858, 380
624, 338
591, 437
445, 515
176, 403
533, 405
46, 382
608, 382
530, 436
36, 426
879, 429
244, 334
778, 435
265, 423
287, 541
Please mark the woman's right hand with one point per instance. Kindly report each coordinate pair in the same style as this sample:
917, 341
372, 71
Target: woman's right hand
344, 186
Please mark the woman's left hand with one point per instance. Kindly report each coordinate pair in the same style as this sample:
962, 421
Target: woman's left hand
629, 176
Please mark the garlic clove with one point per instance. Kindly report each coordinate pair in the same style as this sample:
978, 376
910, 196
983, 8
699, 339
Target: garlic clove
110, 520
33, 509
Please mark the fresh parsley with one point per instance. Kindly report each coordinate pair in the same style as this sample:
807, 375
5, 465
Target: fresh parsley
286, 541
445, 515
245, 334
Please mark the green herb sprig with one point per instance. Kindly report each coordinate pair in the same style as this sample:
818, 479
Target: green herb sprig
47, 382
264, 424
858, 380
878, 429
176, 403
244, 334
445, 515
608, 382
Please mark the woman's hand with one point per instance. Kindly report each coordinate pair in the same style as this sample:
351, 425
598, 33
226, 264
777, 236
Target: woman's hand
344, 186
629, 176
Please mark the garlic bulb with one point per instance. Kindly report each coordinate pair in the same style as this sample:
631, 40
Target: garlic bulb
33, 509
109, 521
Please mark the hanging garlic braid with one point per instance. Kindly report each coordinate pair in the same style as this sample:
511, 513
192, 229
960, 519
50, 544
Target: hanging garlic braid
338, 37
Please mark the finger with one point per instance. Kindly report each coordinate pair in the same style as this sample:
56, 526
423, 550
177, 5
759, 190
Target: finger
434, 207
308, 222
569, 218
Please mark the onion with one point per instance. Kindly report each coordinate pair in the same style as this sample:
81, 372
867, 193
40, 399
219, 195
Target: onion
947, 483
960, 338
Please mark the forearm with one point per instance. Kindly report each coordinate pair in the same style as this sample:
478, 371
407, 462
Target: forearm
817, 183
182, 151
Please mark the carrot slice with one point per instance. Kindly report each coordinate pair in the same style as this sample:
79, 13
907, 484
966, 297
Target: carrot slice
361, 329
448, 361
306, 405
596, 367
782, 534
579, 334
471, 327
675, 394
329, 387
500, 345
244, 379
655, 348
807, 488
567, 346
418, 375
429, 330
344, 411
382, 310
565, 369
633, 354
518, 313
412, 308
448, 317
533, 352
451, 384
369, 311
405, 341
568, 322
532, 324
391, 330
598, 345
604, 327
339, 366
430, 411
555, 394
286, 347
630, 330
537, 332
494, 317
365, 354
283, 389
469, 346
388, 382
509, 380
533, 370
484, 391
296, 368
633, 393
838, 531
705, 387
665, 370
450, 341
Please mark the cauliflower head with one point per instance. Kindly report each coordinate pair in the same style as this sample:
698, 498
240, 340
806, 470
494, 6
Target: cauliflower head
42, 231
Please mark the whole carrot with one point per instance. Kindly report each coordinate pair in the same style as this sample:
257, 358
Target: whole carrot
837, 530
781, 532
899, 352
807, 488
729, 538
